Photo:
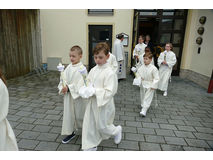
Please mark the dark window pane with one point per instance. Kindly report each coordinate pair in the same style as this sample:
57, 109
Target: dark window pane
167, 24
178, 25
164, 38
177, 38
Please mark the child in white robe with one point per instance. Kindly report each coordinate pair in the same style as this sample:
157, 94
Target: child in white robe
7, 137
112, 62
74, 105
147, 77
141, 58
139, 51
100, 110
166, 61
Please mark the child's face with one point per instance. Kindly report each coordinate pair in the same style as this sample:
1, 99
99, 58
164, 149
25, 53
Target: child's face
101, 58
75, 57
140, 40
146, 60
167, 47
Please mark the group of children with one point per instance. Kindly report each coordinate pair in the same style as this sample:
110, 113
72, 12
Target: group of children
147, 76
88, 97
88, 102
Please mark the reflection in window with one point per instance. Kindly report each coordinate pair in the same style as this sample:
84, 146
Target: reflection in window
164, 38
167, 24
177, 38
178, 25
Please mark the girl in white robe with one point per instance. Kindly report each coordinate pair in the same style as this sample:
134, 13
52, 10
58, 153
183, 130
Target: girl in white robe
100, 110
149, 78
74, 105
113, 63
166, 61
7, 137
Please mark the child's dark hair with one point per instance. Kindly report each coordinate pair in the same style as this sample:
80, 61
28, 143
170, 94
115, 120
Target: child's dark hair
77, 48
148, 55
143, 37
102, 46
2, 77
147, 49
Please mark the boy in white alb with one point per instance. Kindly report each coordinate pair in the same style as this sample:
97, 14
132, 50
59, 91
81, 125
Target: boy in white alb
166, 61
74, 105
7, 137
139, 51
100, 110
147, 78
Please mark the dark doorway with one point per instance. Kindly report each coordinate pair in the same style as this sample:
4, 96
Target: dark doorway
98, 33
163, 25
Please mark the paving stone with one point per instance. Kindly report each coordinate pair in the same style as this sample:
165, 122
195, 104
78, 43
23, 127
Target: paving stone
41, 128
69, 147
193, 149
42, 122
150, 125
112, 149
29, 135
146, 131
134, 137
175, 140
197, 143
23, 113
109, 143
53, 117
132, 145
159, 120
204, 136
27, 144
180, 122
186, 128
47, 146
184, 134
47, 137
204, 129
25, 126
144, 146
154, 139
168, 126
164, 132
133, 124
166, 147
129, 129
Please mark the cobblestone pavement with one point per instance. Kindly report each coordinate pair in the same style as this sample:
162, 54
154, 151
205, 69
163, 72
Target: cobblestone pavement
182, 121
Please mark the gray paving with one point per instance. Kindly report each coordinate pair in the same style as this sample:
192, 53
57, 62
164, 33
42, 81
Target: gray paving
182, 121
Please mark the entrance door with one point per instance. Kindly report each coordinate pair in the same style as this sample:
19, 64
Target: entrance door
164, 26
98, 33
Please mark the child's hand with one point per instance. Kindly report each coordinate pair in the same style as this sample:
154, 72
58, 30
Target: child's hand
152, 88
65, 89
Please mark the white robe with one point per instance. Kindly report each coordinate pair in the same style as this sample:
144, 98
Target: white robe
150, 78
113, 63
74, 105
7, 137
120, 57
100, 110
140, 51
165, 70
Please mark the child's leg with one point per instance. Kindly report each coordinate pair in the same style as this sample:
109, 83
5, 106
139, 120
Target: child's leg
147, 100
142, 95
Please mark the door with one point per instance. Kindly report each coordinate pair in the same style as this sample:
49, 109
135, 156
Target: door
164, 26
98, 33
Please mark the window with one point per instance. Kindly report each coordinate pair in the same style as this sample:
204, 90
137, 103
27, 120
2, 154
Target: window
100, 11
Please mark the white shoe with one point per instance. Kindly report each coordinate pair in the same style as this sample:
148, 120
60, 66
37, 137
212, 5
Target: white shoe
91, 149
143, 113
165, 93
118, 137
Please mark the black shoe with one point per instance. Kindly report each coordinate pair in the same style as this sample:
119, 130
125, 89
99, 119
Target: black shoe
68, 138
